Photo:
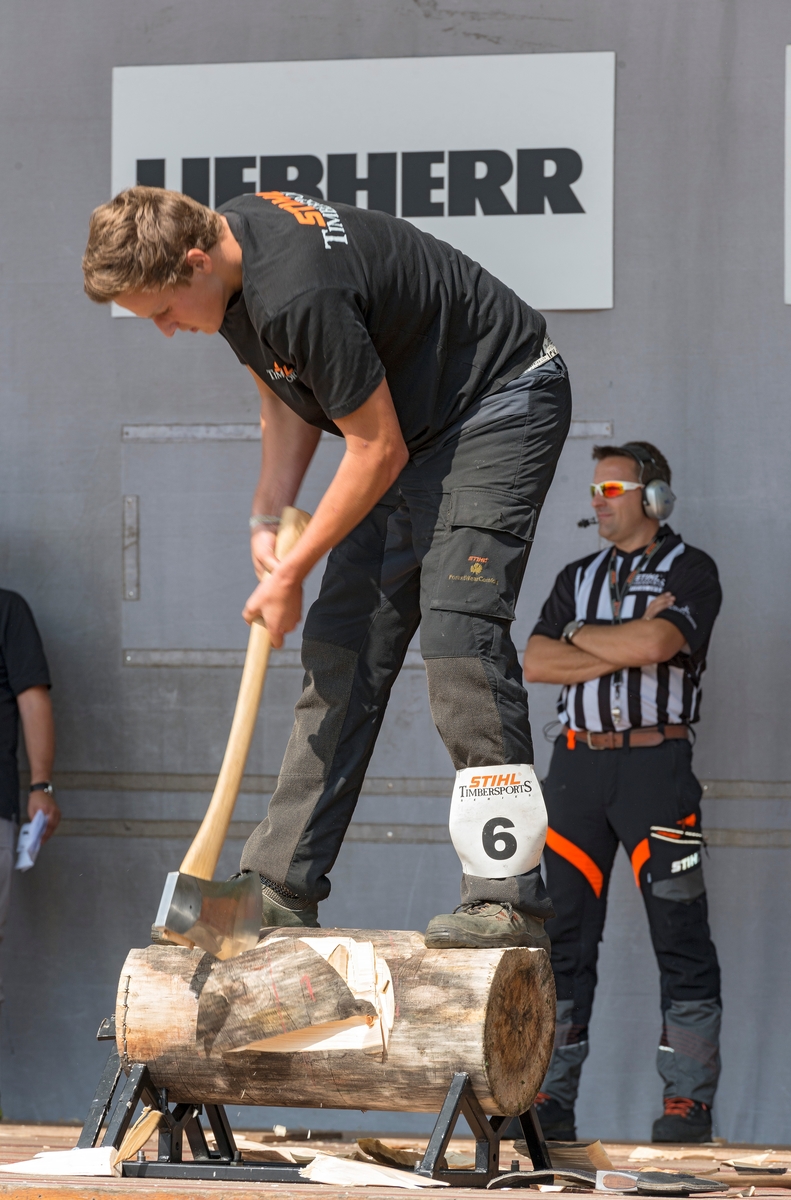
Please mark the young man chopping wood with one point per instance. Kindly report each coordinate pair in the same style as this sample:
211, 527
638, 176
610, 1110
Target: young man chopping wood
626, 631
454, 406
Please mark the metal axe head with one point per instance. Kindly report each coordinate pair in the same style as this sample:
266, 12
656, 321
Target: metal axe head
222, 918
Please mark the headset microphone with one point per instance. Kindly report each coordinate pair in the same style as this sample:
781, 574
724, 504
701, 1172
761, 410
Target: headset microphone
658, 498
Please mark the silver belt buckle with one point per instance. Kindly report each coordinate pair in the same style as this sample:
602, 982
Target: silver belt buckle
590, 746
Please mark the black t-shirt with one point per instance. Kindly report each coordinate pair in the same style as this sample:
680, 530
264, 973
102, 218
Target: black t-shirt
335, 298
22, 666
657, 693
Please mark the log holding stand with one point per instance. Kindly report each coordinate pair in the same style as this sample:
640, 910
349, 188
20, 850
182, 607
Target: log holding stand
350, 1019
112, 1115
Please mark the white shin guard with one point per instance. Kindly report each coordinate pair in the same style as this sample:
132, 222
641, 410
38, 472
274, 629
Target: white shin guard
498, 822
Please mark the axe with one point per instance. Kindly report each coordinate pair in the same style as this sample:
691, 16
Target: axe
224, 918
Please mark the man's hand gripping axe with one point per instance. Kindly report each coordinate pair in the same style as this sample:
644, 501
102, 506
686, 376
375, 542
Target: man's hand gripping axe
224, 918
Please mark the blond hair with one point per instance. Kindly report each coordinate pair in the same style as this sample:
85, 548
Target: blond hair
138, 242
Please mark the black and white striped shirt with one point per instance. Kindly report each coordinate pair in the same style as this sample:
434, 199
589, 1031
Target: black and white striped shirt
662, 693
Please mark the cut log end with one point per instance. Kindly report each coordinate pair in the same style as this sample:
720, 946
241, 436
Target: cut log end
520, 1011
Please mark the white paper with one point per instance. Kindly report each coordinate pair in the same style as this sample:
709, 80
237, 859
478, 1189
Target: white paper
96, 1160
29, 842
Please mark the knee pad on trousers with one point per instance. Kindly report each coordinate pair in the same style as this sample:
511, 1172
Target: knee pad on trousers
688, 1056
498, 822
464, 710
562, 1079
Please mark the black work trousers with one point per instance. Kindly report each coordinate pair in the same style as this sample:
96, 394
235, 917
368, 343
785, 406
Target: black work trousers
444, 549
648, 799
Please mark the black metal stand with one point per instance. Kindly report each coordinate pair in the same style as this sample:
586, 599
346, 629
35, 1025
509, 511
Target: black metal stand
226, 1162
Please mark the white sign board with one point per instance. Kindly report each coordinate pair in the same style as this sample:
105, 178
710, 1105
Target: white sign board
507, 157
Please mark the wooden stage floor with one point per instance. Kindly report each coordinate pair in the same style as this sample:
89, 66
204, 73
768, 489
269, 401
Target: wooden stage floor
18, 1142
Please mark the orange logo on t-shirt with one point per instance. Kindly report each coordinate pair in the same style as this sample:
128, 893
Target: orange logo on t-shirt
310, 212
305, 214
283, 371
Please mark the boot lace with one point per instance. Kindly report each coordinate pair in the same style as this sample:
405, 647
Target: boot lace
475, 907
680, 1106
281, 895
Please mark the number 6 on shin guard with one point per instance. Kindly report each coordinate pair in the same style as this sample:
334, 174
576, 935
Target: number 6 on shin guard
498, 822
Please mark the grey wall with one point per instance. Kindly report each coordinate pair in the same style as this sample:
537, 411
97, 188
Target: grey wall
694, 356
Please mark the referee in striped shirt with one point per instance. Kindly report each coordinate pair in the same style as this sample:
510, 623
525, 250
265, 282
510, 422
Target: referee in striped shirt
625, 631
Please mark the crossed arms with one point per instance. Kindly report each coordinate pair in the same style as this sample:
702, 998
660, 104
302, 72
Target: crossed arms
601, 649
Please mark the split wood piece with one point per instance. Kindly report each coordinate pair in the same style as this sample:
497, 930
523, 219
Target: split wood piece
290, 997
367, 977
402, 1156
489, 1013
579, 1156
138, 1134
342, 1172
571, 1155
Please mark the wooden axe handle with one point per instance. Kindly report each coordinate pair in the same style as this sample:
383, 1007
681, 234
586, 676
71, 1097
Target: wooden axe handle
202, 857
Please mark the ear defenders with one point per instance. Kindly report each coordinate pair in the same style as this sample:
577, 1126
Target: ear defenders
658, 499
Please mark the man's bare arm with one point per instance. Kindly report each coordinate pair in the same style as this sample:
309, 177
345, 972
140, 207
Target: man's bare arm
633, 644
551, 660
375, 456
287, 446
38, 730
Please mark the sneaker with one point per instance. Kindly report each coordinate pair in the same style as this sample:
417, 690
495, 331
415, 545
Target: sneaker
279, 910
483, 925
557, 1123
683, 1120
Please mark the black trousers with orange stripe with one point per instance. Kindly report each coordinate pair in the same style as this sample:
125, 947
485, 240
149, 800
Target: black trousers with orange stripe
648, 800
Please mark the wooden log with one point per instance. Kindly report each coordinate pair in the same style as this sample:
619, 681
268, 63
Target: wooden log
200, 1024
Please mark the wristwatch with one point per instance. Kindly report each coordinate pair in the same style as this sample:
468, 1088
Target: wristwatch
43, 787
570, 629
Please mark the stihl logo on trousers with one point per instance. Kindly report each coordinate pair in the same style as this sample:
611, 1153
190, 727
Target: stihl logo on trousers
685, 864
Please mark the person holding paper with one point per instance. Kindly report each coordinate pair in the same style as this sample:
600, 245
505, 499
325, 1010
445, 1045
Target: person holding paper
25, 699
